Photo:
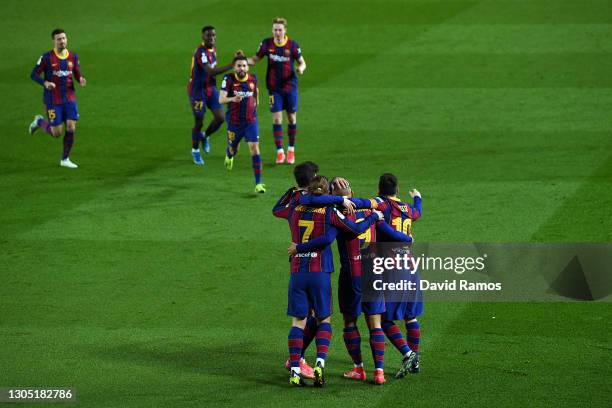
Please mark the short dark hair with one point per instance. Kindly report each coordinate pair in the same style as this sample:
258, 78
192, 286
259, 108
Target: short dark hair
56, 32
207, 28
304, 172
241, 57
387, 184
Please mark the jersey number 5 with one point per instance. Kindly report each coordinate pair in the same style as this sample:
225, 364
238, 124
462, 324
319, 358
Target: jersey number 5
309, 228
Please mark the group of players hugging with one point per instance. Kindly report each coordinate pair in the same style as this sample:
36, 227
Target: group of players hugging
321, 211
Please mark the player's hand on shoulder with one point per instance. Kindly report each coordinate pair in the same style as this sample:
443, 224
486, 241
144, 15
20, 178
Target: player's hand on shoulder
414, 193
292, 250
82, 81
49, 85
349, 205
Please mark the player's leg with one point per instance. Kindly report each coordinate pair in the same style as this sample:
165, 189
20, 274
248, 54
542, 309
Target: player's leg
276, 107
40, 122
212, 103
413, 337
297, 308
290, 104
377, 345
252, 137
352, 341
67, 144
321, 295
350, 307
198, 110
234, 135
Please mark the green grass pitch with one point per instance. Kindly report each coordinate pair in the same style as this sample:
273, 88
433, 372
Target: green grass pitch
142, 280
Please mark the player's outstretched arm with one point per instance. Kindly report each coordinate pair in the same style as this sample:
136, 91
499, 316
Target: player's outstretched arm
387, 230
37, 70
253, 60
340, 221
319, 242
325, 200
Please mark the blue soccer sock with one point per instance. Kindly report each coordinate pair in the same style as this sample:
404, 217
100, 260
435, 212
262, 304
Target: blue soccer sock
310, 331
257, 167
292, 132
277, 131
413, 335
68, 141
352, 341
394, 334
377, 344
295, 342
195, 138
322, 340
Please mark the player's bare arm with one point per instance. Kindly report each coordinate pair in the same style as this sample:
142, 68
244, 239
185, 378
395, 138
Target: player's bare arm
301, 66
223, 98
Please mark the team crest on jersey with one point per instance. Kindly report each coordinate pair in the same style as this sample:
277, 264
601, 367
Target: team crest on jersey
252, 86
69, 64
287, 52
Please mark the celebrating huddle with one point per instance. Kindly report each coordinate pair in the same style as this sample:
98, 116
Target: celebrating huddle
320, 212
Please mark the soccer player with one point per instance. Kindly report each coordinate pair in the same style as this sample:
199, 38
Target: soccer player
239, 91
304, 173
202, 90
310, 284
58, 67
283, 53
401, 215
349, 284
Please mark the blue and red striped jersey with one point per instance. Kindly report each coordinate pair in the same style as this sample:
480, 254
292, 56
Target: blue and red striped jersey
351, 243
60, 71
309, 223
245, 111
399, 214
199, 80
281, 76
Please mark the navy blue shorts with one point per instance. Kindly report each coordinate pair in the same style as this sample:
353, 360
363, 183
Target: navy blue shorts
58, 114
284, 101
201, 100
235, 134
349, 294
310, 290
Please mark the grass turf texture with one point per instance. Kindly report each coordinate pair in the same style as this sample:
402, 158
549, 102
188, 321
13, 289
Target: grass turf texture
142, 280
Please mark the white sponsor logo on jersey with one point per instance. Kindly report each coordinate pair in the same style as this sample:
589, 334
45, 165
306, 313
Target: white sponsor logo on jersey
279, 58
61, 73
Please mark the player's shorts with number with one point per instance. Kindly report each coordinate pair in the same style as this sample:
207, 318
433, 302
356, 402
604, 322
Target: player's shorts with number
58, 114
203, 99
248, 131
310, 290
284, 101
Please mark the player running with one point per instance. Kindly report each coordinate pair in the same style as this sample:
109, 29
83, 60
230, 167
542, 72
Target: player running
281, 79
310, 284
349, 284
58, 67
401, 216
239, 91
202, 90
